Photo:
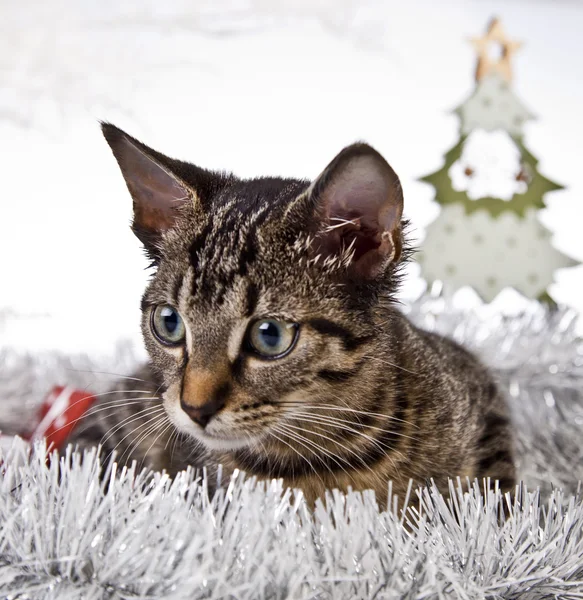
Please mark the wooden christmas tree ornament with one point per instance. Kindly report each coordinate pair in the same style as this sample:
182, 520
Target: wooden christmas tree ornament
488, 234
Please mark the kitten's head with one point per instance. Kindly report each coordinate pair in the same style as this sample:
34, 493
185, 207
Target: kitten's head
264, 289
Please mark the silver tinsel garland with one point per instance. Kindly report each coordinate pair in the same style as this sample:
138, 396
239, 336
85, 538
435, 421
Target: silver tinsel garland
64, 535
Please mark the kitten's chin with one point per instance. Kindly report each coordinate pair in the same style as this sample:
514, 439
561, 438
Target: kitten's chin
224, 444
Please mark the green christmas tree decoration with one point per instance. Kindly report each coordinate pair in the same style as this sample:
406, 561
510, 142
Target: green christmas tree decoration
537, 185
488, 235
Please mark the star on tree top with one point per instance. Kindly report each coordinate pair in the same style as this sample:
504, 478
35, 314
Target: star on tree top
495, 50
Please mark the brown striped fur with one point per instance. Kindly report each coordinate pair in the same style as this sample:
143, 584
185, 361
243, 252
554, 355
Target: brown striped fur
364, 397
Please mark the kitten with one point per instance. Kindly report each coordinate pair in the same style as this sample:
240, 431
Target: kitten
276, 346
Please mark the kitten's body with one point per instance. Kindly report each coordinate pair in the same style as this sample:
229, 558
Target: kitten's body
360, 398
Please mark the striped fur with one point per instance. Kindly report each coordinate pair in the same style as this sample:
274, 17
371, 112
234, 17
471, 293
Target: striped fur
365, 397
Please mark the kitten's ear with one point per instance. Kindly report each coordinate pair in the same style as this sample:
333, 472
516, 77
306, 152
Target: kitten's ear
358, 200
156, 191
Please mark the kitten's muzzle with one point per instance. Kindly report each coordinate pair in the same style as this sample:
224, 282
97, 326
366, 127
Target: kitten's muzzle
202, 415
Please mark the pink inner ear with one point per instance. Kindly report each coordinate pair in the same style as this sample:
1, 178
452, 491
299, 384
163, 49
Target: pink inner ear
361, 193
156, 192
362, 203
363, 190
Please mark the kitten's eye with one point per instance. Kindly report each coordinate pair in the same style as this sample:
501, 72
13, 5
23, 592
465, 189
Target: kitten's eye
168, 325
271, 338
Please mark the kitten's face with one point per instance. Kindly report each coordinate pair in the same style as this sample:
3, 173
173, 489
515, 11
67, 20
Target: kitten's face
262, 298
250, 320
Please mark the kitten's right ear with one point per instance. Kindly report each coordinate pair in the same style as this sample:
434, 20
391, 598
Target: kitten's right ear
157, 192
354, 210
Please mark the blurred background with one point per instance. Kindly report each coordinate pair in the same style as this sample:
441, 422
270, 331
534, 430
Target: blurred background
257, 87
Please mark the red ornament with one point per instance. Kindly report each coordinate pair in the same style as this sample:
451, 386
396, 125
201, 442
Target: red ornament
59, 414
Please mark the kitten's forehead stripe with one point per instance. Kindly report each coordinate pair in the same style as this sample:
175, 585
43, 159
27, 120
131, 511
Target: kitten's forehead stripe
224, 251
176, 290
251, 298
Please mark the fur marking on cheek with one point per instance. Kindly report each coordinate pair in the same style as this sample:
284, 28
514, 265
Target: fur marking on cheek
329, 328
338, 375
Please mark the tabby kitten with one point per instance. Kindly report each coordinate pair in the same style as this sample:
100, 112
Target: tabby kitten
275, 343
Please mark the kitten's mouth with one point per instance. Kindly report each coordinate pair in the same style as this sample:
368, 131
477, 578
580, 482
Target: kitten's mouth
214, 440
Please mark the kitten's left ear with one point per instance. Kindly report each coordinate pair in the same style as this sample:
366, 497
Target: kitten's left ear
157, 191
358, 200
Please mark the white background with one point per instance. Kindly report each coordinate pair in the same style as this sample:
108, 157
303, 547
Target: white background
257, 87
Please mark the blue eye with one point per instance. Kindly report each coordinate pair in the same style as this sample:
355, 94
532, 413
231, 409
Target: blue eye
168, 325
271, 338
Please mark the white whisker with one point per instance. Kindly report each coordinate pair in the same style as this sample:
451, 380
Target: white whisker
296, 451
118, 375
381, 446
302, 429
386, 362
69, 406
330, 419
300, 439
133, 417
157, 418
112, 406
360, 412
162, 432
